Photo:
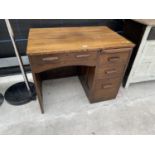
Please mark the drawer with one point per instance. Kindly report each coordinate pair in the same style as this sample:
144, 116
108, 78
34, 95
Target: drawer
111, 57
110, 71
47, 59
83, 58
41, 63
106, 89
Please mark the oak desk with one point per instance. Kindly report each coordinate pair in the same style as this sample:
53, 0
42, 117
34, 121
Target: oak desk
101, 54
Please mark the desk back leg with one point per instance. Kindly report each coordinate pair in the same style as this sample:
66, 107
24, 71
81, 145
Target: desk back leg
38, 86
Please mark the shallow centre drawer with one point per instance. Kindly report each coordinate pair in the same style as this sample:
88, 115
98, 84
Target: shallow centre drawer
41, 63
83, 57
114, 56
39, 60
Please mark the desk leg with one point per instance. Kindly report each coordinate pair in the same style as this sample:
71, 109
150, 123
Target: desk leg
38, 86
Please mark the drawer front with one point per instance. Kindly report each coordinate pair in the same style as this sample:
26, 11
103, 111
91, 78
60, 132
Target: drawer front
111, 57
47, 59
106, 88
110, 71
83, 58
41, 63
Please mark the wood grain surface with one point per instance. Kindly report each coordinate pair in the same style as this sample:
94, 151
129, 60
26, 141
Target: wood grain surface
57, 40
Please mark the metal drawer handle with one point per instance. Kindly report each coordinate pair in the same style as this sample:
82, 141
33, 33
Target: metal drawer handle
110, 71
82, 55
107, 86
113, 59
50, 58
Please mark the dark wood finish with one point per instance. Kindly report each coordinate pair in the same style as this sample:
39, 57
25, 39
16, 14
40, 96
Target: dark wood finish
38, 84
110, 71
105, 89
114, 57
99, 56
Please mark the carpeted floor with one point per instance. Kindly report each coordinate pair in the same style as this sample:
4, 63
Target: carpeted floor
68, 111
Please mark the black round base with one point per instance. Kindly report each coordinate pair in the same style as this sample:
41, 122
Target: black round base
18, 94
1, 99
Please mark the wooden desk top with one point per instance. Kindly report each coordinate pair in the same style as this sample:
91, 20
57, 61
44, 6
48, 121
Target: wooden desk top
149, 22
57, 40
